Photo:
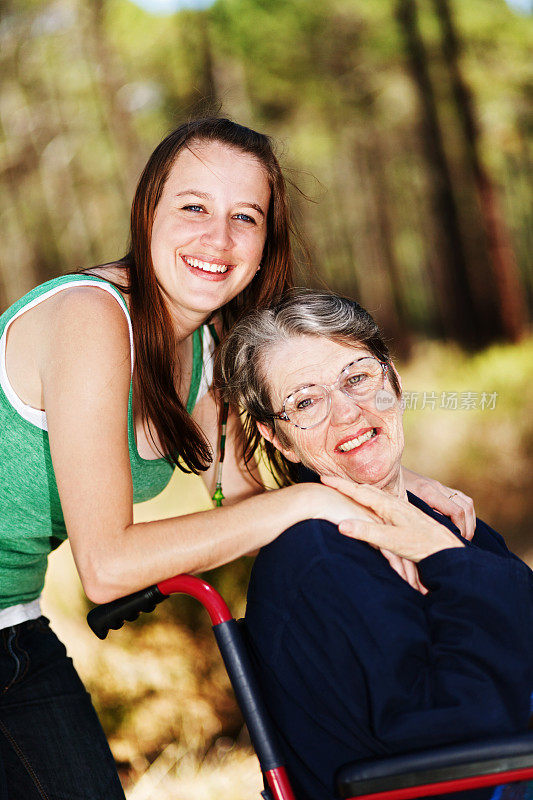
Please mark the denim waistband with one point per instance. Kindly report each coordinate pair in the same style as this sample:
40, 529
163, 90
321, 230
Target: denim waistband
23, 612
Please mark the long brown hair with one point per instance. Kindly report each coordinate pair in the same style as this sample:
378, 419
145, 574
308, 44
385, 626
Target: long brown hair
182, 442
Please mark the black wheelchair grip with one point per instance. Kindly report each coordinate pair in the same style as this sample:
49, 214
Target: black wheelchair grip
114, 614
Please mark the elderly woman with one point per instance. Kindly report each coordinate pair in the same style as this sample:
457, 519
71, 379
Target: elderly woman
354, 661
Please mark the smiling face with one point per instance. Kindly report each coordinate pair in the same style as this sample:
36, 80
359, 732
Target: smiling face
359, 442
209, 228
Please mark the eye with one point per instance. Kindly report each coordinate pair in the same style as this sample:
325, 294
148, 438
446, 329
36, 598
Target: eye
353, 380
301, 404
244, 218
307, 402
194, 208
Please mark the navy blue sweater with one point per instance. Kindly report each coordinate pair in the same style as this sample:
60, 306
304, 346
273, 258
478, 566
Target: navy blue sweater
354, 663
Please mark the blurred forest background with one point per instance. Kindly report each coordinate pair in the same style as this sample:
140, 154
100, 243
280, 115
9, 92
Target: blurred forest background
406, 127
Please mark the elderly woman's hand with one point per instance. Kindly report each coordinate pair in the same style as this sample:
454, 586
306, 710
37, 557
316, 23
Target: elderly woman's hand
405, 569
450, 502
336, 506
404, 530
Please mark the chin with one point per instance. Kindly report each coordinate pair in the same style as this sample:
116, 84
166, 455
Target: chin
374, 475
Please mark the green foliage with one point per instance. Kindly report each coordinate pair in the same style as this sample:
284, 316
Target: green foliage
90, 87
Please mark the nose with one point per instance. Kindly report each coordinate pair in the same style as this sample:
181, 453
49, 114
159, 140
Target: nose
217, 233
344, 410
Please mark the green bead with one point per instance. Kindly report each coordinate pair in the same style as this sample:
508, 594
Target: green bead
218, 497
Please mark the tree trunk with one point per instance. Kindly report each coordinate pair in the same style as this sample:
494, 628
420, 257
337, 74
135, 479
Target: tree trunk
117, 120
454, 292
385, 227
194, 39
510, 308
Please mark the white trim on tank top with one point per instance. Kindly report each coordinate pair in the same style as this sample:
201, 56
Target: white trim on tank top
22, 612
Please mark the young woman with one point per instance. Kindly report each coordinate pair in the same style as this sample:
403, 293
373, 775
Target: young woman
105, 381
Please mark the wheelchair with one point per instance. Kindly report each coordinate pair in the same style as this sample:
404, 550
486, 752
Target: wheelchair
440, 770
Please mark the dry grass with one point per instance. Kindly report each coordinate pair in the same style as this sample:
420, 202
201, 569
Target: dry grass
229, 773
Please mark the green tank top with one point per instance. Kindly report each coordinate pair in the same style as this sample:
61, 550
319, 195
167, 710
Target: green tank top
31, 519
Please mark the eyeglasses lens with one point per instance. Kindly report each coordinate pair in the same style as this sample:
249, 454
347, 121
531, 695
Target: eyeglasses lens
362, 379
310, 405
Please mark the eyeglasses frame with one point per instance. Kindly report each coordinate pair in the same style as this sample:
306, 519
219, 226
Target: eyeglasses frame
329, 387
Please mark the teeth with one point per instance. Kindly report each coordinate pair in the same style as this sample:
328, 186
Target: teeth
206, 266
353, 443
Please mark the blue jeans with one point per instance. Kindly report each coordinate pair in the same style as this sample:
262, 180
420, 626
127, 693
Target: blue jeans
52, 746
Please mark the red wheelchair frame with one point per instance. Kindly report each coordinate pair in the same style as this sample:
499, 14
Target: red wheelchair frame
452, 768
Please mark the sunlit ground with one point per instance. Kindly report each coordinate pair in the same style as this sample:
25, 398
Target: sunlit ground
162, 693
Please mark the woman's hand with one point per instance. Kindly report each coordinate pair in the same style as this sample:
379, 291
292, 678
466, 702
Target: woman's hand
450, 502
405, 569
323, 502
405, 530
336, 507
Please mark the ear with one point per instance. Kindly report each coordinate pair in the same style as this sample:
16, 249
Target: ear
393, 368
266, 433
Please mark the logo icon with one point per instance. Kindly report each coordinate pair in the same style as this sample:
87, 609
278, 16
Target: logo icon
384, 400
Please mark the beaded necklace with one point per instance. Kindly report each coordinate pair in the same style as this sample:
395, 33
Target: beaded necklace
218, 496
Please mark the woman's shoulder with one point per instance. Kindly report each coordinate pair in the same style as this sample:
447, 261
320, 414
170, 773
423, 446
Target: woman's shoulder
436, 515
485, 537
85, 350
88, 310
64, 322
69, 300
313, 546
87, 292
47, 295
76, 313
87, 302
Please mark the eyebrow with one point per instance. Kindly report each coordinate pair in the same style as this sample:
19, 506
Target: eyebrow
207, 196
308, 385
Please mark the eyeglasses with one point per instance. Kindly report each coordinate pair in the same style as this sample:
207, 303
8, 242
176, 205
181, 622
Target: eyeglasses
360, 380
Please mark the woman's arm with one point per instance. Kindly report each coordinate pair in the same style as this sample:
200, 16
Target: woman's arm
85, 374
402, 528
239, 483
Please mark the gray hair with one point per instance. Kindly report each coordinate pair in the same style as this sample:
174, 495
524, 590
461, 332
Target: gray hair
241, 363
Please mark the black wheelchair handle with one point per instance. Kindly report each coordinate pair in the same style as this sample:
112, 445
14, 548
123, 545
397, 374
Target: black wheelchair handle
113, 615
